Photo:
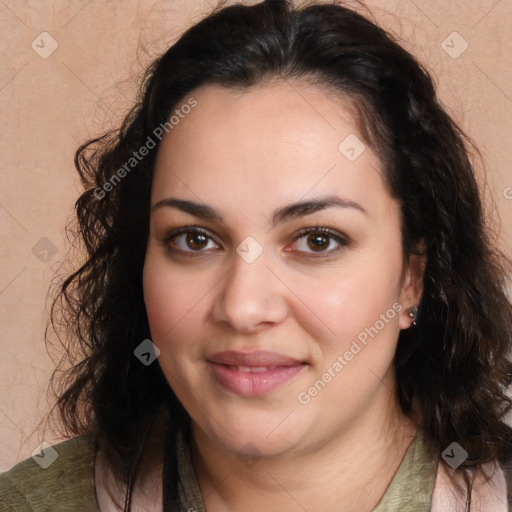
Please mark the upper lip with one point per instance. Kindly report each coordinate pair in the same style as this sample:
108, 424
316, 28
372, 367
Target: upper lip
253, 359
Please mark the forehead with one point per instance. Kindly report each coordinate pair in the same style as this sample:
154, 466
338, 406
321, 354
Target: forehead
272, 143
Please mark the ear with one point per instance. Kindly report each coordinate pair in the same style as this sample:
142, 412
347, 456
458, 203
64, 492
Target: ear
412, 288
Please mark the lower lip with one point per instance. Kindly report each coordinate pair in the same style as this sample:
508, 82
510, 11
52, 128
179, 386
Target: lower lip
254, 383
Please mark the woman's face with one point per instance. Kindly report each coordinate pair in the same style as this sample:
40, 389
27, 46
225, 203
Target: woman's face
275, 335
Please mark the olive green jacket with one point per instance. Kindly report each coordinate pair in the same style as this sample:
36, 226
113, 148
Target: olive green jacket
68, 483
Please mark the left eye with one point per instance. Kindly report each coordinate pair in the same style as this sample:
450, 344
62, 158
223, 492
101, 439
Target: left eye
318, 240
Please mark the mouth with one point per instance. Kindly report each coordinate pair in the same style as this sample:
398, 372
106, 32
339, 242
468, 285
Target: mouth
254, 373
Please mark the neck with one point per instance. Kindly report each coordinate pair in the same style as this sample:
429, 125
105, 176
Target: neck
349, 472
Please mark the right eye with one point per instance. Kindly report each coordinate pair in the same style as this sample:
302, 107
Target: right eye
188, 240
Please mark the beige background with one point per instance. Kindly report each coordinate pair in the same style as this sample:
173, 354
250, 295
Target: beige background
50, 105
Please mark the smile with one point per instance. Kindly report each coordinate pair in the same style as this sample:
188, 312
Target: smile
253, 381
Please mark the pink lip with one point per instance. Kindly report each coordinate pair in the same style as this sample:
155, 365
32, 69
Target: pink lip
280, 369
253, 359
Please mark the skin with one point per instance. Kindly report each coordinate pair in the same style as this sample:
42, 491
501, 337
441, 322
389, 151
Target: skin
247, 154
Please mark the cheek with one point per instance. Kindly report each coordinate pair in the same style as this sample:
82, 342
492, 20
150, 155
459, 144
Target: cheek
174, 303
339, 305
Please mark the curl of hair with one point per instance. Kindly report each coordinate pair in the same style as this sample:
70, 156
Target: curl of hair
453, 369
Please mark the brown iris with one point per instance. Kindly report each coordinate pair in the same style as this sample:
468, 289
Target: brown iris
196, 240
318, 241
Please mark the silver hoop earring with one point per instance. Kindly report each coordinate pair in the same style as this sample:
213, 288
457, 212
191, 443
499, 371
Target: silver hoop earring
413, 313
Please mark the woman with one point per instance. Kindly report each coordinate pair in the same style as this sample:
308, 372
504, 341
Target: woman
290, 300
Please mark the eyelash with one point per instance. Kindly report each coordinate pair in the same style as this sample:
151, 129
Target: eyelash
338, 237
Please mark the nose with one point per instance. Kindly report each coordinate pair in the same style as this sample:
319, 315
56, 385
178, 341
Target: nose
250, 296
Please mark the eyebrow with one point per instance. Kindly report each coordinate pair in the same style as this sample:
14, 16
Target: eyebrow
285, 213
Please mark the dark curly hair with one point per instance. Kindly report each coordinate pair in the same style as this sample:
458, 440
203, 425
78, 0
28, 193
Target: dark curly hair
452, 369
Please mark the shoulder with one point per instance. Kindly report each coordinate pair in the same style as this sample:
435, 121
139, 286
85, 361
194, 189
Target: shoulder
491, 489
507, 472
62, 479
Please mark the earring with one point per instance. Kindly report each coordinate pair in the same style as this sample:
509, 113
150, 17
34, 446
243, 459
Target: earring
413, 313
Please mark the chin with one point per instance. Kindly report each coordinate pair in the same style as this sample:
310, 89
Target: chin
252, 436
